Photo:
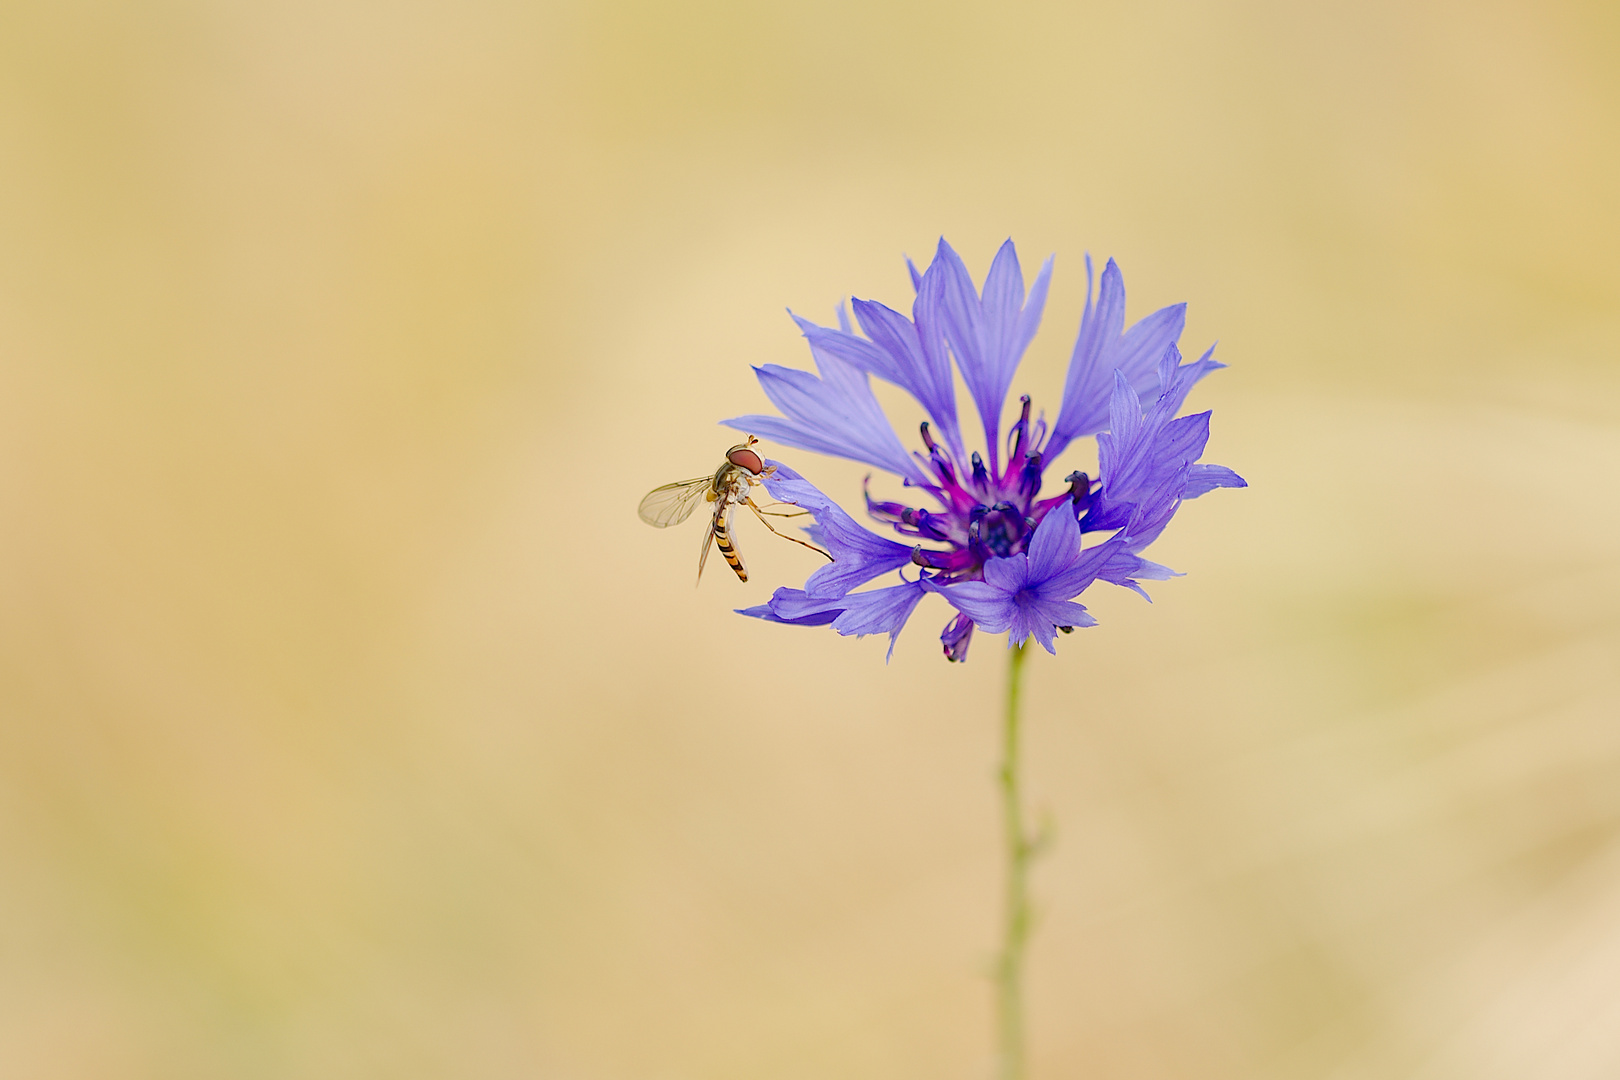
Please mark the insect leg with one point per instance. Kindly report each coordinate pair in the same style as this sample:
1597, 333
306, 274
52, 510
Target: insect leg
781, 513
785, 536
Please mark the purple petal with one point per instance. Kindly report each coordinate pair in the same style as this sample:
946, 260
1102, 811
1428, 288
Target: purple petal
1153, 513
906, 363
1030, 319
1079, 576
836, 414
789, 606
1003, 300
930, 312
879, 611
1008, 574
956, 637
1101, 349
851, 348
1154, 458
990, 609
1202, 479
989, 335
1055, 545
1176, 378
1124, 410
1113, 562
1030, 622
1137, 353
859, 555
960, 318
1041, 619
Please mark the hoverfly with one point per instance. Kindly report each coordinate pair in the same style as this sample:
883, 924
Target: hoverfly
727, 489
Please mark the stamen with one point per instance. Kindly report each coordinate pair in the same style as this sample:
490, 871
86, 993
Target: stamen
1079, 488
883, 511
931, 560
1031, 480
1017, 436
928, 525
981, 478
977, 548
1017, 433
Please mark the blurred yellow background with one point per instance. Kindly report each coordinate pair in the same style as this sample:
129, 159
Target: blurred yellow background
352, 726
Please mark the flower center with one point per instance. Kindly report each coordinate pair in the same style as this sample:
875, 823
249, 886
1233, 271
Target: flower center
985, 512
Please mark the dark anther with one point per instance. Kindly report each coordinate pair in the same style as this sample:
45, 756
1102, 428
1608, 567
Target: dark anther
925, 523
928, 440
1079, 487
1019, 431
921, 557
1032, 472
1067, 629
980, 476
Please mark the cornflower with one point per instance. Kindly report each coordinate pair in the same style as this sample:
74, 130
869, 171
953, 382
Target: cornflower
1003, 556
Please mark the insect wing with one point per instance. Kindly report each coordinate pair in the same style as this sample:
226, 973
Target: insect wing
708, 542
673, 503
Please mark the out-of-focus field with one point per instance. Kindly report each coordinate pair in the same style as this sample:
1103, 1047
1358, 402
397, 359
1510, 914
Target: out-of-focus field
352, 726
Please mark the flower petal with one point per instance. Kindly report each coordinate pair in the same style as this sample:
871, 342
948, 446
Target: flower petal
990, 609
1055, 545
1202, 479
929, 312
925, 373
1101, 349
1176, 378
790, 606
836, 414
1041, 619
879, 611
956, 637
1008, 574
859, 555
989, 335
1029, 320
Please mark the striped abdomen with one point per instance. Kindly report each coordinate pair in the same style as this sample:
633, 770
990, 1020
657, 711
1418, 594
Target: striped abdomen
722, 538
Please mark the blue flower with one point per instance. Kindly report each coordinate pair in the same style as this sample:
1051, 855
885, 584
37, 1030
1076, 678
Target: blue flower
1007, 559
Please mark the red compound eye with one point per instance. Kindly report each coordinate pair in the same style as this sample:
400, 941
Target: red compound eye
744, 458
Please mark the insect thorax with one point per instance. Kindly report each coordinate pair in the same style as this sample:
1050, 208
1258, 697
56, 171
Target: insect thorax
731, 483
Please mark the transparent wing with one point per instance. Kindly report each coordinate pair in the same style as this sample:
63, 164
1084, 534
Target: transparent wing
708, 542
673, 503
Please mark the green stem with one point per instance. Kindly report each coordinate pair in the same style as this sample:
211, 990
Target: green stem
1020, 849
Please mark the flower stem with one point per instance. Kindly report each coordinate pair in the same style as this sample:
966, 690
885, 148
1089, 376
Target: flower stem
1020, 850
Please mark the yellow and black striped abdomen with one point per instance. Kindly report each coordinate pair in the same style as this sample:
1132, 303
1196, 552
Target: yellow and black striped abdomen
722, 538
